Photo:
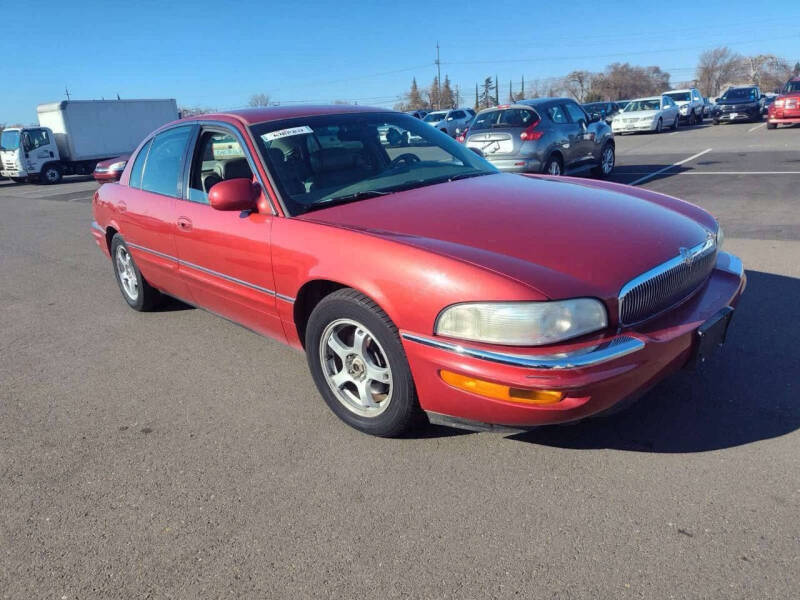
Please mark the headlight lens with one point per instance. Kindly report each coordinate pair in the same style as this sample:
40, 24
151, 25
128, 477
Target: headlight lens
522, 323
720, 237
117, 166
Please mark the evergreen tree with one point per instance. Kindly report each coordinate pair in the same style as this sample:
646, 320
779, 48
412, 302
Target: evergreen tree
447, 98
522, 93
487, 98
435, 94
477, 99
796, 70
415, 101
511, 92
496, 91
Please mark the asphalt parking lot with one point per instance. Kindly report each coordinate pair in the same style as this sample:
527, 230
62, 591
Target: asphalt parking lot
176, 455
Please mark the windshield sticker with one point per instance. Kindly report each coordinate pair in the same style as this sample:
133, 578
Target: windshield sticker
282, 133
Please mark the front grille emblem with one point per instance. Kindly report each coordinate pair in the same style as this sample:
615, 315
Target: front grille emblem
687, 256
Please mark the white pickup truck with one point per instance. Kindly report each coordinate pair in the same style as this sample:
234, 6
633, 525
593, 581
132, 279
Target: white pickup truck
74, 135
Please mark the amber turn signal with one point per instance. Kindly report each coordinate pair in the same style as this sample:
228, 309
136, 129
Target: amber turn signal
500, 392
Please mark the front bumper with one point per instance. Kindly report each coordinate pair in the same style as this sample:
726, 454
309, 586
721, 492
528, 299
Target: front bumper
594, 376
748, 115
13, 173
634, 127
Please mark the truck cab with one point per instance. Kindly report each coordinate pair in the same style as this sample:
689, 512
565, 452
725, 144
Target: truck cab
29, 153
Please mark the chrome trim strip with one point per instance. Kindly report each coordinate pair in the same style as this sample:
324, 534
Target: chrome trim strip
96, 226
211, 272
616, 348
288, 299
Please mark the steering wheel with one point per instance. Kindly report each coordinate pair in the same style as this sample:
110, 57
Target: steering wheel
406, 157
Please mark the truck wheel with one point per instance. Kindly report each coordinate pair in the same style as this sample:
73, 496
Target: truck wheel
50, 174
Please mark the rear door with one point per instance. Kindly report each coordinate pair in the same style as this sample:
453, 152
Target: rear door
225, 256
145, 208
583, 141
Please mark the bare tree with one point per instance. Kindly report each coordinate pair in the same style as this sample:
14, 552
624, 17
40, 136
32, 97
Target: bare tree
717, 68
768, 71
578, 84
258, 100
623, 80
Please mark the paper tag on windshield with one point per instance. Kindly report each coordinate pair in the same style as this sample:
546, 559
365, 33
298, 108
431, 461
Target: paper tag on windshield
282, 133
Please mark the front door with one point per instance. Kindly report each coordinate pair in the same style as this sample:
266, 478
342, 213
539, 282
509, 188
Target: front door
39, 148
225, 256
584, 141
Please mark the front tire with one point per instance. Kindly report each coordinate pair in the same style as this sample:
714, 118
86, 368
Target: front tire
51, 174
359, 366
136, 291
676, 123
771, 125
659, 125
607, 162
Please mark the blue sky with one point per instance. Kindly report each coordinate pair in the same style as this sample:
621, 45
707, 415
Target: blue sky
216, 54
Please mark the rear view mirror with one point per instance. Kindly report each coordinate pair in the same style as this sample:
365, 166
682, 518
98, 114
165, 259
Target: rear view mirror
234, 194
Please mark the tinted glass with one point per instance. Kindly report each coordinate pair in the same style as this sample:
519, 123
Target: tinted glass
458, 114
645, 104
138, 166
37, 138
435, 117
162, 170
791, 87
748, 94
556, 114
575, 112
680, 96
325, 160
218, 157
510, 117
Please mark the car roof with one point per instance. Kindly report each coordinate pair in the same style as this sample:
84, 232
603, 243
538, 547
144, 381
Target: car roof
251, 116
680, 90
646, 98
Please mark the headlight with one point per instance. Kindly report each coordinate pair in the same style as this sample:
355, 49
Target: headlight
118, 166
522, 323
720, 237
684, 108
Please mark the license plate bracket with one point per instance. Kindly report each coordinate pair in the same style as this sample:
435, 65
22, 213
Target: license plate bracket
710, 336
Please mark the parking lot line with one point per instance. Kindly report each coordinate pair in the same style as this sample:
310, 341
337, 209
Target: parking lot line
672, 166
756, 127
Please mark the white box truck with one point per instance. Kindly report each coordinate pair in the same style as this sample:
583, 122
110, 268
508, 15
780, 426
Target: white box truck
74, 135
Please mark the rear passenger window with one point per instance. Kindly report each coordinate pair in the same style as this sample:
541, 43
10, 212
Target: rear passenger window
459, 114
219, 156
556, 114
162, 169
138, 166
575, 113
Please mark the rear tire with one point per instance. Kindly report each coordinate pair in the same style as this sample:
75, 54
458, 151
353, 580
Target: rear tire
358, 363
715, 121
139, 294
50, 175
553, 166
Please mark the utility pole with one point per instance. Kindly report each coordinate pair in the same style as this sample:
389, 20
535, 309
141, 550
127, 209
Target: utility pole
438, 77
66, 91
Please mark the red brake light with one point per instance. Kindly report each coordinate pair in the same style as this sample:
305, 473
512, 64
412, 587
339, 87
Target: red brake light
462, 137
530, 133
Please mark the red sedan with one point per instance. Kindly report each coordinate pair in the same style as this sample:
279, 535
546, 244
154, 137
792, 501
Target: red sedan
418, 278
786, 108
110, 169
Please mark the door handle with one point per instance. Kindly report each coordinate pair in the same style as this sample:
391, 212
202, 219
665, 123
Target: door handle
184, 223
122, 207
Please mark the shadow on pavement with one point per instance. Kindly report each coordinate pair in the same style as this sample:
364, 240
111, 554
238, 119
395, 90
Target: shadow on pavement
628, 173
746, 393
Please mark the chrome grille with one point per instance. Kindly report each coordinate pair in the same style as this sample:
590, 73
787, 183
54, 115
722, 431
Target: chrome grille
667, 284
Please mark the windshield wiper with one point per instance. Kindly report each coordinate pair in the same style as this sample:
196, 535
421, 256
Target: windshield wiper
468, 175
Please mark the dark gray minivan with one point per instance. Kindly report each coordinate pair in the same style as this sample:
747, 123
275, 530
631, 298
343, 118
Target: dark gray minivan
544, 135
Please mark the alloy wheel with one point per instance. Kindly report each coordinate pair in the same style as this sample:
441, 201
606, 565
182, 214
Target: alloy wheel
554, 168
356, 368
608, 160
127, 274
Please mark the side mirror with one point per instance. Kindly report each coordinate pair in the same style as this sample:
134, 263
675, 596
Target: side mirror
234, 194
477, 151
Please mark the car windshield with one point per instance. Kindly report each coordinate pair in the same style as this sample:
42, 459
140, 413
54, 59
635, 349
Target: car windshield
595, 107
680, 96
740, 94
435, 117
646, 104
9, 139
510, 117
325, 160
792, 87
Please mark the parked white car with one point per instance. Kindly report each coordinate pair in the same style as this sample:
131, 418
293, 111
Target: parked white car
647, 114
451, 122
690, 104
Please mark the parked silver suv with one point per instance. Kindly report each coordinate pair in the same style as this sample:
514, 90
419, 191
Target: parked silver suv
451, 122
690, 104
545, 135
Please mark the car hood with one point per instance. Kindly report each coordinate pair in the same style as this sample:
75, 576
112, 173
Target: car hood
562, 236
639, 114
740, 101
